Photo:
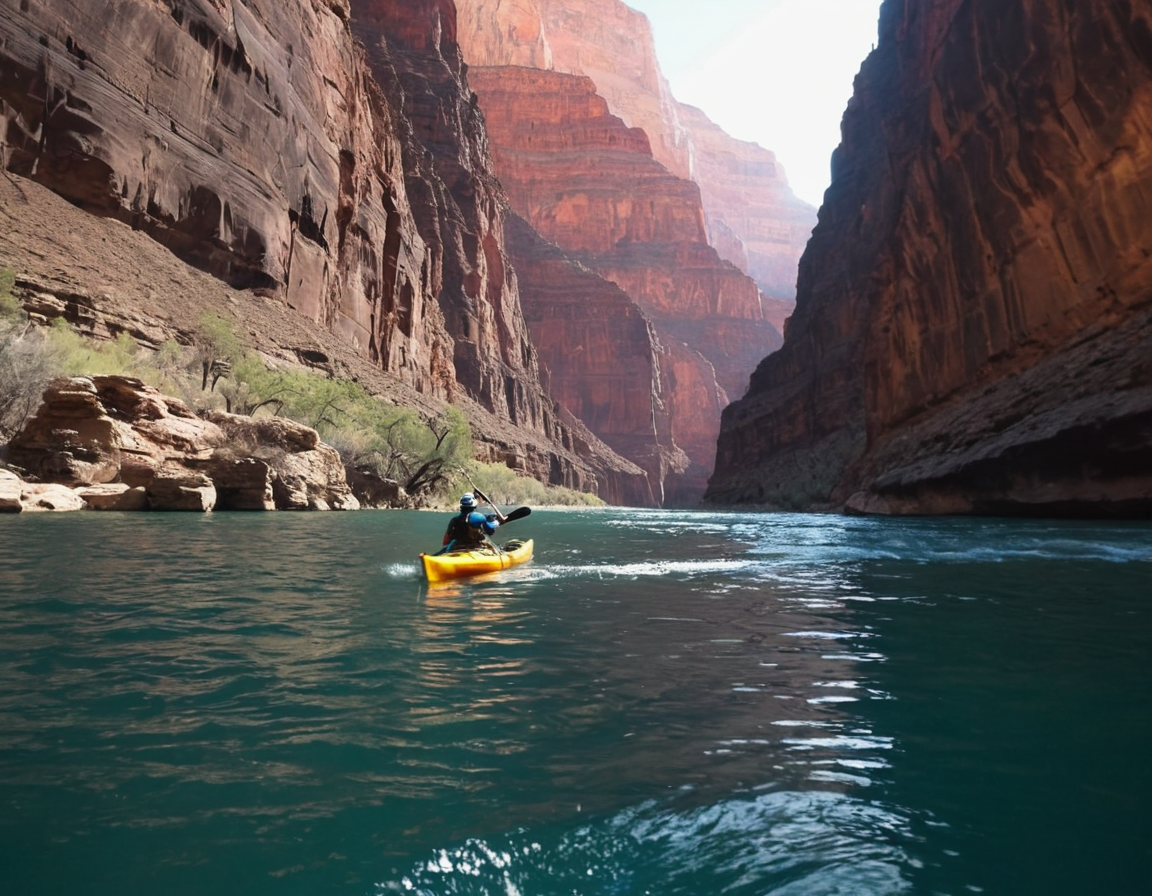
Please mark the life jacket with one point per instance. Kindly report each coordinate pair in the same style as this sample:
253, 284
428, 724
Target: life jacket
460, 532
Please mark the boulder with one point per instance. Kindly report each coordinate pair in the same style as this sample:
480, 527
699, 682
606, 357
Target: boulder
176, 488
306, 473
96, 430
376, 492
10, 489
50, 498
268, 432
242, 483
114, 496
312, 480
71, 439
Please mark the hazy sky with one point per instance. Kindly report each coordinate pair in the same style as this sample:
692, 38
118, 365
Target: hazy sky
776, 72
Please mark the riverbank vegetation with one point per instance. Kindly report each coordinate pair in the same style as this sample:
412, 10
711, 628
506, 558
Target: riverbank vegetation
431, 459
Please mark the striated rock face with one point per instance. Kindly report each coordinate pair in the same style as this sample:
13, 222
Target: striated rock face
754, 220
973, 329
605, 40
109, 430
602, 357
590, 185
243, 135
459, 210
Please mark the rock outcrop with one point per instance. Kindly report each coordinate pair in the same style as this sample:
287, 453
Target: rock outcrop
973, 328
17, 496
605, 40
121, 445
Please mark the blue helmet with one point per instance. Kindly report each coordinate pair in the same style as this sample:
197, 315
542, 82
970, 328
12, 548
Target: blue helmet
467, 501
477, 520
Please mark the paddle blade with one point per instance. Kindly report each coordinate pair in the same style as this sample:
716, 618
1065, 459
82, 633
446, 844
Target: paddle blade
518, 514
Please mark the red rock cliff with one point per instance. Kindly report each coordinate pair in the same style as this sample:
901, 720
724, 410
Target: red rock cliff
251, 138
605, 40
754, 220
589, 184
208, 125
973, 328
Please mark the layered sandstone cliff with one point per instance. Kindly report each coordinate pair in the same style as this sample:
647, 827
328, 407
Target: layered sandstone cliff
251, 138
590, 185
209, 126
754, 219
605, 40
974, 321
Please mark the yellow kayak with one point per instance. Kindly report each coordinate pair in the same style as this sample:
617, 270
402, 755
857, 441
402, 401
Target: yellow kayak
461, 564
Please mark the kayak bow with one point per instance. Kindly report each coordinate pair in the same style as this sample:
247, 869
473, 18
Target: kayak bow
462, 564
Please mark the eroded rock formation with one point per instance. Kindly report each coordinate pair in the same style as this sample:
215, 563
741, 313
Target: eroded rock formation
245, 137
973, 329
605, 40
123, 446
754, 219
603, 357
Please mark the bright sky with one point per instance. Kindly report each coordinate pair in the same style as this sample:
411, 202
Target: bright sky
774, 72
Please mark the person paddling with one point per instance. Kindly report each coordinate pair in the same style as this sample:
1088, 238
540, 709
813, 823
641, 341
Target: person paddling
470, 529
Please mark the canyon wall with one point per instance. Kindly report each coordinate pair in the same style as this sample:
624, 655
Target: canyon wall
591, 150
252, 139
974, 320
589, 184
208, 126
754, 219
605, 40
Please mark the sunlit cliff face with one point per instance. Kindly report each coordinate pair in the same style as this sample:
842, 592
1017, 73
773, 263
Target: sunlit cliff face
590, 148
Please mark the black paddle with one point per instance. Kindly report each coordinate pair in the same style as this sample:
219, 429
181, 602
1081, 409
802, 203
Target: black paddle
518, 514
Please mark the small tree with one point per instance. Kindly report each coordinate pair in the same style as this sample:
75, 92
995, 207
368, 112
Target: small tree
27, 362
217, 350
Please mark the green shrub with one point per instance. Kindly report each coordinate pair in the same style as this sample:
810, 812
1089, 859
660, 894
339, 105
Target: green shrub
427, 457
505, 486
9, 305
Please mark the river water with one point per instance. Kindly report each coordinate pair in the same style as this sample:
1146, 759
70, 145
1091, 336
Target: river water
660, 703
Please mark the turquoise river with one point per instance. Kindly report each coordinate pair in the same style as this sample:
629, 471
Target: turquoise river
663, 703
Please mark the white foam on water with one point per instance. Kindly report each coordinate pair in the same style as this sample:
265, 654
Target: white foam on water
403, 571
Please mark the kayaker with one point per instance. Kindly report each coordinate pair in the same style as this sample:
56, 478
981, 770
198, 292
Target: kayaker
470, 528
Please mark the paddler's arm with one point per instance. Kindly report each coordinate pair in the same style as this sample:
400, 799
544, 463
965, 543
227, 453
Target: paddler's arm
499, 516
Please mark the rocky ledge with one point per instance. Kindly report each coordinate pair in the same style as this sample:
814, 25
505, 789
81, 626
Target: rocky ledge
114, 443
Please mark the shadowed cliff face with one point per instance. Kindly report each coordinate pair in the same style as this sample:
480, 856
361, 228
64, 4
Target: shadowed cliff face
973, 329
250, 138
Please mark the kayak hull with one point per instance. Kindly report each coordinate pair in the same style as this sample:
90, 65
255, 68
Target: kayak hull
465, 564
